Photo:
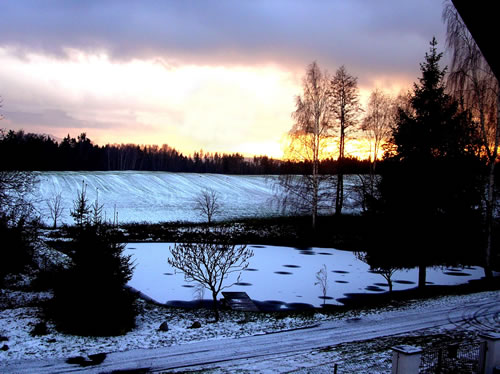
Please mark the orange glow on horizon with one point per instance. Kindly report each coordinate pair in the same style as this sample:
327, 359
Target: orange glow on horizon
359, 148
223, 109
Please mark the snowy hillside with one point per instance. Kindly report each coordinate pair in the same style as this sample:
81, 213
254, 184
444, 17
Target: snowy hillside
157, 196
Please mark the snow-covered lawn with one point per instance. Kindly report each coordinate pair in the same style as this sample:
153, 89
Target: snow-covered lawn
22, 312
18, 320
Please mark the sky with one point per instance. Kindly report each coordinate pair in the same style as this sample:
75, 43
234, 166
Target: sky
221, 76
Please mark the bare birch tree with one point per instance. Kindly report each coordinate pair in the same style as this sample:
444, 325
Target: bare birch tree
209, 264
378, 122
477, 89
346, 110
308, 142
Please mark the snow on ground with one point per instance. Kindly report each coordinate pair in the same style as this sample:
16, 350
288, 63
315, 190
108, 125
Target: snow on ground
146, 196
20, 311
18, 321
158, 196
283, 274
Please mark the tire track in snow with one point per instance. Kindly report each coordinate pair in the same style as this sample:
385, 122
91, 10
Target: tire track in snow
482, 315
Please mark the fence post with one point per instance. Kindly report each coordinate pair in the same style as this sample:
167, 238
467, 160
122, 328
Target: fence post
490, 352
405, 359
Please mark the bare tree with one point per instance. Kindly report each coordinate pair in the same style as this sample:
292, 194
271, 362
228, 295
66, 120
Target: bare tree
309, 138
346, 110
15, 191
55, 206
322, 281
209, 263
207, 204
378, 122
477, 89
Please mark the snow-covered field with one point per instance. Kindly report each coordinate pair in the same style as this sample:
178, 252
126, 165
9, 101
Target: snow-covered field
146, 196
157, 196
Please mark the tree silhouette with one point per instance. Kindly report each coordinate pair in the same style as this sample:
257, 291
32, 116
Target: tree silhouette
55, 206
345, 109
433, 176
90, 297
209, 263
472, 82
308, 143
207, 204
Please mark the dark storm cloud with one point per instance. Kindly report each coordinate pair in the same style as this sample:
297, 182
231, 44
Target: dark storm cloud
383, 36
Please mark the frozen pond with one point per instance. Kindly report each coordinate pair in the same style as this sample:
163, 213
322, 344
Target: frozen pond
282, 275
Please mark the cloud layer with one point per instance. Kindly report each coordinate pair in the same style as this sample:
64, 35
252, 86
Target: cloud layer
141, 64
384, 34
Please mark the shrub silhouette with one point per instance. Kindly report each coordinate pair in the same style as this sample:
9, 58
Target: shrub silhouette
90, 297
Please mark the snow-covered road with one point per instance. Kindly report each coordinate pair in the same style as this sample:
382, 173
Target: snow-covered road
481, 313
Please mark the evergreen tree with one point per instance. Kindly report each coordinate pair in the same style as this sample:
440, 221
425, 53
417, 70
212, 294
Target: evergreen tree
91, 297
81, 209
432, 180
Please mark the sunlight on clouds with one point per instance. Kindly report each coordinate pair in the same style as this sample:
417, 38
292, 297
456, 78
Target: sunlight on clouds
269, 148
244, 109
230, 108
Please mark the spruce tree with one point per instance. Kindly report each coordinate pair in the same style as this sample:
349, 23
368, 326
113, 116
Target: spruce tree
431, 185
91, 297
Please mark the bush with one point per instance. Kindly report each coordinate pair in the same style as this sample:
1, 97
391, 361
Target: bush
17, 248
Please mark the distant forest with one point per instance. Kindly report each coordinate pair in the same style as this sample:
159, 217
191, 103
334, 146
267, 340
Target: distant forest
27, 151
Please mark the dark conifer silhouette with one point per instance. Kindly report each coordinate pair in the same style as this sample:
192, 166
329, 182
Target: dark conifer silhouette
90, 297
27, 152
432, 180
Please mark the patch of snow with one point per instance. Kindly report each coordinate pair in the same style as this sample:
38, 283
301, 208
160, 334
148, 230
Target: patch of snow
48, 258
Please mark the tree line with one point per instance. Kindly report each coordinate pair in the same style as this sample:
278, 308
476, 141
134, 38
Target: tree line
27, 151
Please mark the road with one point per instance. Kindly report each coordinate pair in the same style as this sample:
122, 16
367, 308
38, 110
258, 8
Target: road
482, 315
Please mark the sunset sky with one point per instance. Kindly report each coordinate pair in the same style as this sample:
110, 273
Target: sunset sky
218, 75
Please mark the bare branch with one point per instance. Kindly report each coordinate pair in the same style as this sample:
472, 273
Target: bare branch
209, 263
